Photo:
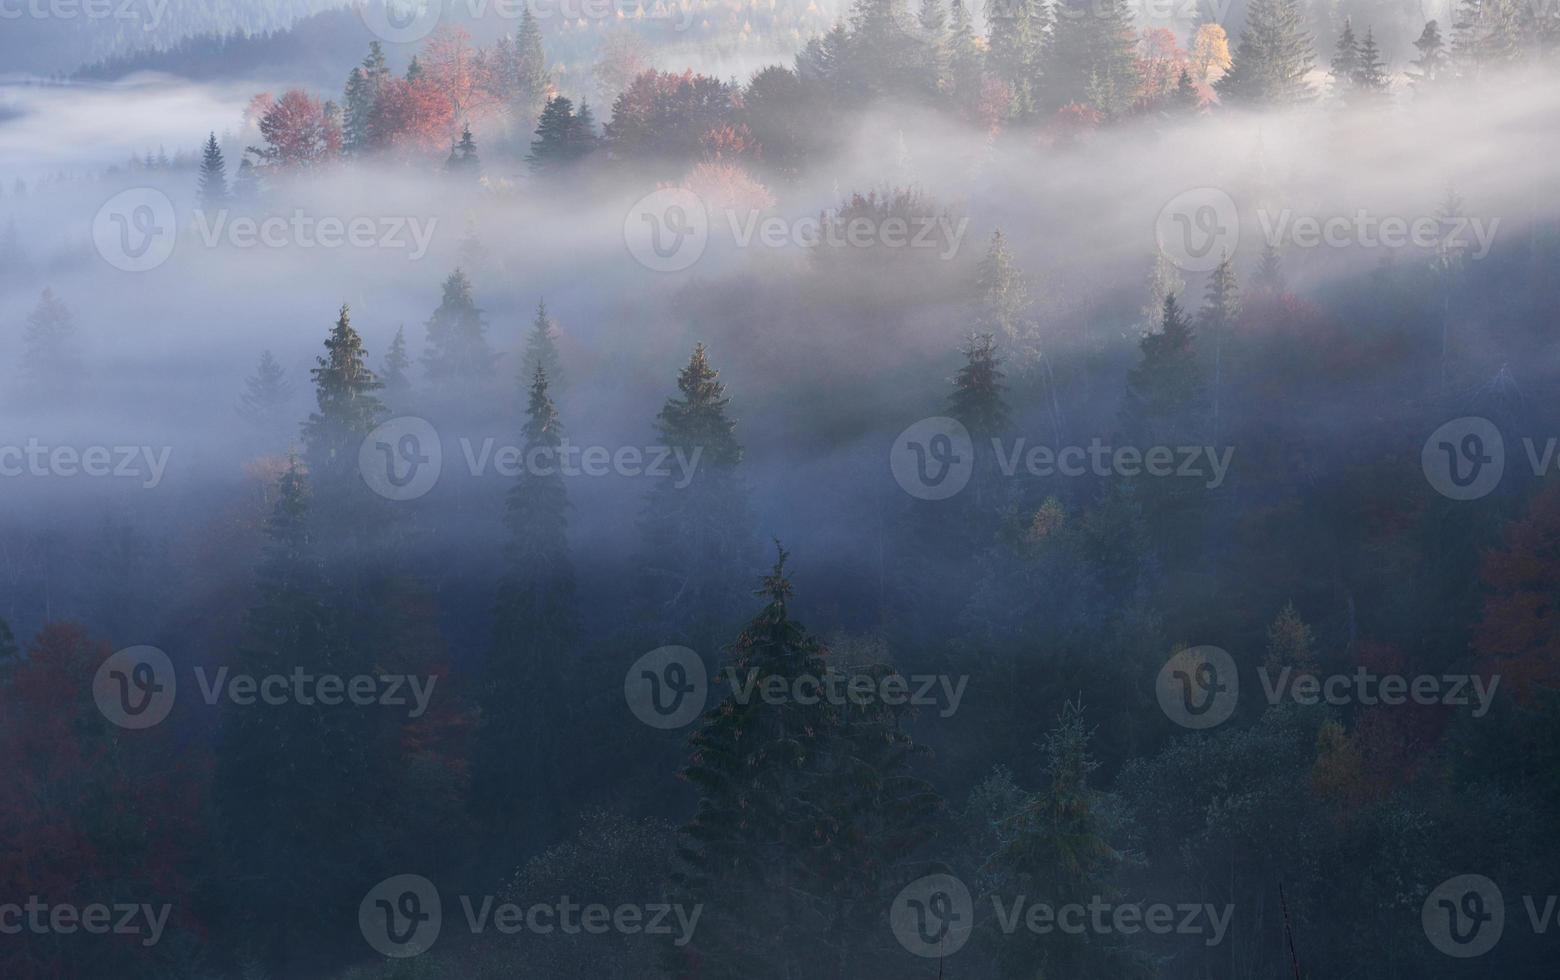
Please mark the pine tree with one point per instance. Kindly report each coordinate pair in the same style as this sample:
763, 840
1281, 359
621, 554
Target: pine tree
1488, 35
212, 188
393, 372
364, 88
1272, 59
457, 350
1164, 280
541, 349
348, 408
463, 163
266, 393
1432, 64
977, 400
697, 531
557, 135
1185, 101
884, 58
1094, 57
414, 70
1001, 298
1346, 59
1056, 849
965, 58
1165, 390
517, 778
51, 356
807, 810
1270, 271
533, 78
582, 140
1013, 41
936, 55
1370, 76
1221, 308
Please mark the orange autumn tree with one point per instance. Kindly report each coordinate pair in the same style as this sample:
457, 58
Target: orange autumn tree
1519, 634
462, 73
1160, 62
1210, 54
299, 135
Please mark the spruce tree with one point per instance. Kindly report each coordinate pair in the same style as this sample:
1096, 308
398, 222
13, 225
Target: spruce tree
697, 530
1488, 34
1094, 57
266, 393
541, 349
1432, 63
1056, 849
212, 187
932, 21
463, 163
1272, 58
1185, 101
884, 58
557, 136
1013, 40
1002, 298
965, 58
808, 809
1165, 390
1346, 57
393, 372
1164, 280
517, 779
533, 78
1270, 271
51, 355
1221, 308
977, 399
348, 408
1370, 76
457, 350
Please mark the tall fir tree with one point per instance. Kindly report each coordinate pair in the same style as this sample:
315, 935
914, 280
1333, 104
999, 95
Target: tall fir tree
697, 529
541, 350
978, 401
533, 79
936, 54
1221, 309
558, 143
212, 187
808, 810
52, 366
1164, 280
885, 58
1370, 78
966, 60
267, 393
1094, 57
1002, 298
1270, 271
347, 409
1165, 390
1013, 43
1271, 60
517, 787
397, 383
457, 351
1346, 57
463, 163
1432, 64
